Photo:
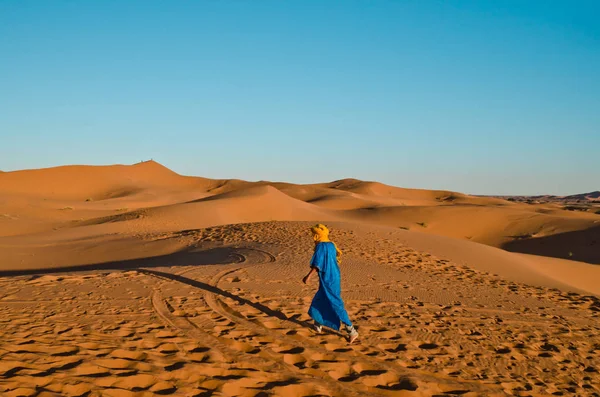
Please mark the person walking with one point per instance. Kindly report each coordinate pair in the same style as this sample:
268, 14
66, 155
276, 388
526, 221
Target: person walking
327, 307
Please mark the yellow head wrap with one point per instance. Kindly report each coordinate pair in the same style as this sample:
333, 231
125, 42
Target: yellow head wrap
321, 235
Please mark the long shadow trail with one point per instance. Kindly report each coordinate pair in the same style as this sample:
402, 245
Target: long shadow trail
212, 256
218, 291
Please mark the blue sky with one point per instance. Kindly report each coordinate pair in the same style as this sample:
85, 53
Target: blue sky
482, 97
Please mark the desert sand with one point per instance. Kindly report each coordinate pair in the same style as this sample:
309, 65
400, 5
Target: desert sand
133, 280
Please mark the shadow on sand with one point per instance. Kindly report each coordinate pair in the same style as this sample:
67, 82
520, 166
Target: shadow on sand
225, 294
213, 256
581, 245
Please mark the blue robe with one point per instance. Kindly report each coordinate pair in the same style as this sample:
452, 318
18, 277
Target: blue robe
327, 307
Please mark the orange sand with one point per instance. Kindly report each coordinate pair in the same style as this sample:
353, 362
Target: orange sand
137, 281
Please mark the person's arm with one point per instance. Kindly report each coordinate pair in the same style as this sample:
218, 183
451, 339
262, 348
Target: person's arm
307, 277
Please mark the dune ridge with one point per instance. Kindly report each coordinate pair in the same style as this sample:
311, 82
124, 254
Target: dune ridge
86, 192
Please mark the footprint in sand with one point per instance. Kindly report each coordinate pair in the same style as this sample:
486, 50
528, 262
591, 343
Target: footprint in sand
128, 354
114, 363
91, 370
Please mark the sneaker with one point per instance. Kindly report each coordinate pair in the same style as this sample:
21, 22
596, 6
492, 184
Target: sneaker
352, 336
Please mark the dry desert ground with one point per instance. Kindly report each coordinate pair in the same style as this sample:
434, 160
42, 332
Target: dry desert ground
133, 280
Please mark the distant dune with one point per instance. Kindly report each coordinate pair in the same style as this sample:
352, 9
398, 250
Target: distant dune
585, 196
70, 203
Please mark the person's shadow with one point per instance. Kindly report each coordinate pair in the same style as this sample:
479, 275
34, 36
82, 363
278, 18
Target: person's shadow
218, 291
186, 257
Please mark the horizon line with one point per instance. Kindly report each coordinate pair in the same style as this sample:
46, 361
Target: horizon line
294, 183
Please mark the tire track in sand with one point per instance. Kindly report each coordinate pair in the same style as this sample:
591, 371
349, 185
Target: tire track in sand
266, 359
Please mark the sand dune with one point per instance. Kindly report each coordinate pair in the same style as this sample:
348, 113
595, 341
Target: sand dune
492, 225
134, 281
410, 196
43, 199
95, 201
592, 196
94, 182
579, 245
253, 204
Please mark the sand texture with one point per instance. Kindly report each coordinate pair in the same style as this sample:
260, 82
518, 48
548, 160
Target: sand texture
136, 281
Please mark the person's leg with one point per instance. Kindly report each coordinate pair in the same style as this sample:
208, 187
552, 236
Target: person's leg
346, 322
319, 312
336, 305
352, 332
349, 327
318, 327
342, 313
